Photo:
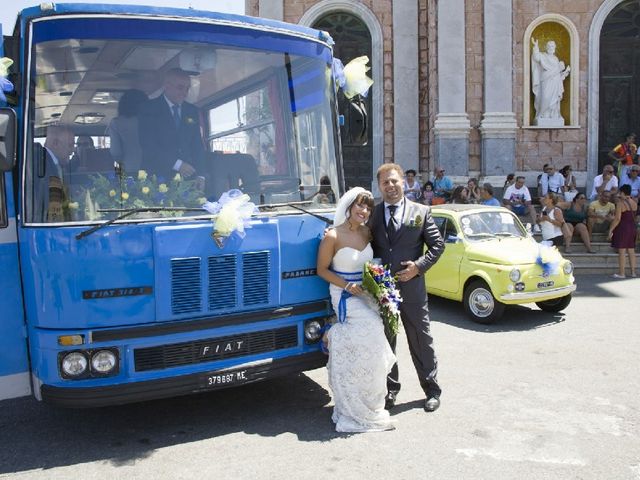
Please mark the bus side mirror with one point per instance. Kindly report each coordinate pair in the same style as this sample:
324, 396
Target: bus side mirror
7, 139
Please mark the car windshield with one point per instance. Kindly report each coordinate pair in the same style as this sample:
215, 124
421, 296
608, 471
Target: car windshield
480, 226
143, 115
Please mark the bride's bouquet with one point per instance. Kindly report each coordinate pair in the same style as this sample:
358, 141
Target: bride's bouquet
378, 281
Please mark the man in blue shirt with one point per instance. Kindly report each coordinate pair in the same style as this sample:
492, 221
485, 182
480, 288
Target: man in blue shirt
633, 180
486, 196
442, 186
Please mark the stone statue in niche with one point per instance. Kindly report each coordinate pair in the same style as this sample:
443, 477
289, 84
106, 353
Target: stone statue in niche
547, 77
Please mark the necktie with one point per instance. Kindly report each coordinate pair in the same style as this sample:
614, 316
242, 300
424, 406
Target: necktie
176, 114
391, 226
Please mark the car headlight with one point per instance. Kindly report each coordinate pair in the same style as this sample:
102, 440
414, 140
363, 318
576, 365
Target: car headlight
74, 364
567, 268
103, 361
514, 275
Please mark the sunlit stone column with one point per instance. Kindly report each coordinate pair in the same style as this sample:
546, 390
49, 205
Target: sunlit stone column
452, 124
498, 126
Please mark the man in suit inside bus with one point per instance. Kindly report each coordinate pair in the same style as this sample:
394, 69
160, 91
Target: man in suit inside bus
170, 134
52, 168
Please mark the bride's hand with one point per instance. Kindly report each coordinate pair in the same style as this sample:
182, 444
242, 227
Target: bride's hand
354, 289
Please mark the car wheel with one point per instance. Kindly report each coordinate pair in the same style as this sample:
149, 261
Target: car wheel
555, 305
480, 304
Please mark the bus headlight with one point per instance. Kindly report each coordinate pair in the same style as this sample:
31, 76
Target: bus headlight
514, 275
74, 364
312, 330
103, 361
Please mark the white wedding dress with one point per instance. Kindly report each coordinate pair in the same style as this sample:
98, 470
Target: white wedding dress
359, 355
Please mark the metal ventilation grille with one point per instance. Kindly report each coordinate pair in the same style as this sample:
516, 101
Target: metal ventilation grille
256, 270
223, 279
186, 288
188, 353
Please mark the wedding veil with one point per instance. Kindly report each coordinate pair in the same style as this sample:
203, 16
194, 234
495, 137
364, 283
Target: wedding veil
345, 202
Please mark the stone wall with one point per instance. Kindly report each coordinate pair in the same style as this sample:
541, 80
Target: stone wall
474, 59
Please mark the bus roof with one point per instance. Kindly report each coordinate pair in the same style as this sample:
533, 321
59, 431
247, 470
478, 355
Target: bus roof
50, 9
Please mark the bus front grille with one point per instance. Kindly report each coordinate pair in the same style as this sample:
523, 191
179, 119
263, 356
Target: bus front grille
213, 349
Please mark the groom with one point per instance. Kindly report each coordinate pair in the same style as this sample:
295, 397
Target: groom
401, 229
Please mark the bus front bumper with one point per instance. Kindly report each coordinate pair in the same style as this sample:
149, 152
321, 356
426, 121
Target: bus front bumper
90, 397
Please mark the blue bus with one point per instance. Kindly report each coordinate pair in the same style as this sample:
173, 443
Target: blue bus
117, 285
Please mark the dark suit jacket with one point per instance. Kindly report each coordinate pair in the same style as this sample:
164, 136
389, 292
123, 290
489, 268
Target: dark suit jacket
163, 142
416, 230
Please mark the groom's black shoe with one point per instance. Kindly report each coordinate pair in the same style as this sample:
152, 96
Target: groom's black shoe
431, 404
390, 400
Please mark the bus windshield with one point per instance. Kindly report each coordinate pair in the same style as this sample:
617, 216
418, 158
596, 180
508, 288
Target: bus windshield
145, 115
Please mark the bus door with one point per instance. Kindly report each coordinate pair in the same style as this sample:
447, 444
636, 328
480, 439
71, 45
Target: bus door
14, 363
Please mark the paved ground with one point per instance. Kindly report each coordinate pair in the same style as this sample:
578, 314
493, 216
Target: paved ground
534, 396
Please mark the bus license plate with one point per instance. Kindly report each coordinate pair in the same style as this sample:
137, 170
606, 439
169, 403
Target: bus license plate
545, 284
224, 379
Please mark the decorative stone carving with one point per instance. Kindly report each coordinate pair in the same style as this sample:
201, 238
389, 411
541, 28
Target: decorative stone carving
547, 76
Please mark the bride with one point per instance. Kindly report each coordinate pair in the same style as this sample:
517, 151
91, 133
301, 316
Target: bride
359, 354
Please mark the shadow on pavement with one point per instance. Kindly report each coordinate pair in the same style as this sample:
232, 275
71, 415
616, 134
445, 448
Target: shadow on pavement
516, 317
34, 435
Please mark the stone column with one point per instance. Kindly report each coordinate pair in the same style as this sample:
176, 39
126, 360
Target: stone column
406, 121
498, 126
452, 126
273, 9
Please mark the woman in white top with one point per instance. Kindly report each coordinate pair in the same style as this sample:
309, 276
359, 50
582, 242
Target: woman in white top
412, 188
551, 221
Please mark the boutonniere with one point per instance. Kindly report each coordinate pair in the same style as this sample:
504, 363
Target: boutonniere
190, 120
415, 222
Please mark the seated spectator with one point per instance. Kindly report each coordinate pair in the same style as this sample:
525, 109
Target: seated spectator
510, 180
576, 215
442, 186
551, 181
486, 196
474, 190
570, 188
412, 188
427, 193
124, 134
606, 181
460, 195
539, 182
600, 213
517, 198
624, 155
551, 221
633, 180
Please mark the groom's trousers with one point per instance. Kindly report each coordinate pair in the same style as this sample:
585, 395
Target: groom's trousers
415, 319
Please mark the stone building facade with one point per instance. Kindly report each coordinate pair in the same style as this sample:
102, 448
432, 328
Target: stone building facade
453, 80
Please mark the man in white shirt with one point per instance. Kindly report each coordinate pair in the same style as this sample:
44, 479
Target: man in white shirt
517, 198
606, 181
551, 181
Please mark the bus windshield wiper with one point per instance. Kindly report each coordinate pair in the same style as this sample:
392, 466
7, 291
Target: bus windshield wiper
296, 206
132, 211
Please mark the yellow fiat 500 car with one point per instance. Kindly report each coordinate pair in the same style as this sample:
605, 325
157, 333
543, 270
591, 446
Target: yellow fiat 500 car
491, 261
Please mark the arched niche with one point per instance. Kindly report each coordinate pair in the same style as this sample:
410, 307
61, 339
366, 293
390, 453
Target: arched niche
326, 7
564, 33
